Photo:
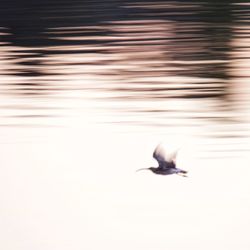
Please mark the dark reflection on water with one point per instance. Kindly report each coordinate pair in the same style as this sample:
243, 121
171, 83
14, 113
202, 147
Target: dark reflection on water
150, 63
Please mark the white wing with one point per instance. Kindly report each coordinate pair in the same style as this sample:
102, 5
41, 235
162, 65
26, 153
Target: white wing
161, 156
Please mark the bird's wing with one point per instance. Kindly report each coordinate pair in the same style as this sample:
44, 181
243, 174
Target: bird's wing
165, 160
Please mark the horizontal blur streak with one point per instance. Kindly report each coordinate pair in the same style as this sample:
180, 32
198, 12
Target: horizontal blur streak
164, 65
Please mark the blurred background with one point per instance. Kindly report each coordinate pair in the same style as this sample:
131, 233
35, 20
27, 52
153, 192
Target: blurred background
89, 88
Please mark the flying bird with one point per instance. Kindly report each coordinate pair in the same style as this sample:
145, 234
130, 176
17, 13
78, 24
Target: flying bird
166, 163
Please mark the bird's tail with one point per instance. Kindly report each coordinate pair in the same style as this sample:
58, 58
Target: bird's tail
183, 173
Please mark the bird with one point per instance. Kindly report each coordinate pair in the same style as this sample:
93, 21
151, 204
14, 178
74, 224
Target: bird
166, 163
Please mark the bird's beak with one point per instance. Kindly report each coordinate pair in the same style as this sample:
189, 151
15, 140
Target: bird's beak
142, 169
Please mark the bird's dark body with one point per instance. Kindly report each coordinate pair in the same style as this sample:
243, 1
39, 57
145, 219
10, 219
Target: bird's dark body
167, 171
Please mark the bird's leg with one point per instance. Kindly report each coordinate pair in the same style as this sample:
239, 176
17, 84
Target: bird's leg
182, 174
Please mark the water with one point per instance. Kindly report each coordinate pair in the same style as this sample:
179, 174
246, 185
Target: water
87, 91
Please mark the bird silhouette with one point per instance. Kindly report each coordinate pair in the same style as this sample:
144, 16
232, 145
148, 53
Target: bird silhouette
166, 163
